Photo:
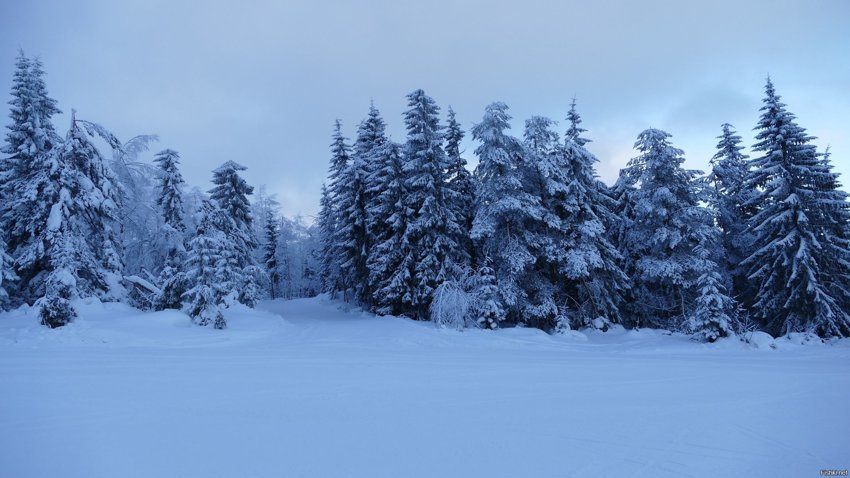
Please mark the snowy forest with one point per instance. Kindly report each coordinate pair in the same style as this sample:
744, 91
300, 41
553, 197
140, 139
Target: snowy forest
528, 238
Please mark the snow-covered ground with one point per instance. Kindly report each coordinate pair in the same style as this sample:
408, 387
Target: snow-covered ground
301, 388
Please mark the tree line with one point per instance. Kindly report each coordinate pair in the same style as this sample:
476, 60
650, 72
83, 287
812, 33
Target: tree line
532, 237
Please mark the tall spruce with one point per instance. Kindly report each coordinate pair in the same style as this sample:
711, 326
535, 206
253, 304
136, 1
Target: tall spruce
335, 280
669, 223
462, 189
433, 227
270, 254
26, 189
206, 269
231, 194
171, 238
794, 242
505, 209
728, 173
587, 263
390, 275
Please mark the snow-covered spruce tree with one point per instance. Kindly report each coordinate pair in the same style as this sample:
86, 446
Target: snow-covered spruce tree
26, 190
390, 275
270, 255
356, 200
85, 209
486, 308
713, 315
504, 211
836, 221
205, 269
7, 276
334, 281
669, 224
794, 241
543, 177
728, 172
588, 265
172, 280
433, 227
326, 225
462, 188
231, 194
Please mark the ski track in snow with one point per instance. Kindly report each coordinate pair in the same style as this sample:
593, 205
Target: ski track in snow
311, 387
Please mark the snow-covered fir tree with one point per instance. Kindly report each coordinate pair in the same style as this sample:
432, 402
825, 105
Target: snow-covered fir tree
206, 269
26, 189
462, 188
432, 228
505, 209
333, 256
326, 225
668, 224
83, 219
487, 307
713, 314
728, 172
231, 194
794, 241
7, 276
354, 200
172, 280
389, 263
587, 264
270, 255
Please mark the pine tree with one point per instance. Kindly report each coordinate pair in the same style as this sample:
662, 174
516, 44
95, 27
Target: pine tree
669, 224
505, 208
26, 190
729, 171
433, 226
462, 189
231, 194
798, 208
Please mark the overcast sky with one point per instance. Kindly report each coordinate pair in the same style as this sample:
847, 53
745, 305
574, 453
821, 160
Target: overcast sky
261, 83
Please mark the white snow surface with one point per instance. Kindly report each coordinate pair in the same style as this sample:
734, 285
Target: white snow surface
308, 388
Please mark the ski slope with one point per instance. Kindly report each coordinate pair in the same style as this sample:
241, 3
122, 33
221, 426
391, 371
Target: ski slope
304, 388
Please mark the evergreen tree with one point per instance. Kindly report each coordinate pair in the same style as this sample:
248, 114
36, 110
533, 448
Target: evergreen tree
170, 197
713, 315
433, 227
206, 269
327, 225
390, 275
728, 173
231, 194
270, 255
172, 280
337, 192
505, 209
587, 263
798, 209
80, 237
7, 277
669, 224
462, 188
26, 190
487, 309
